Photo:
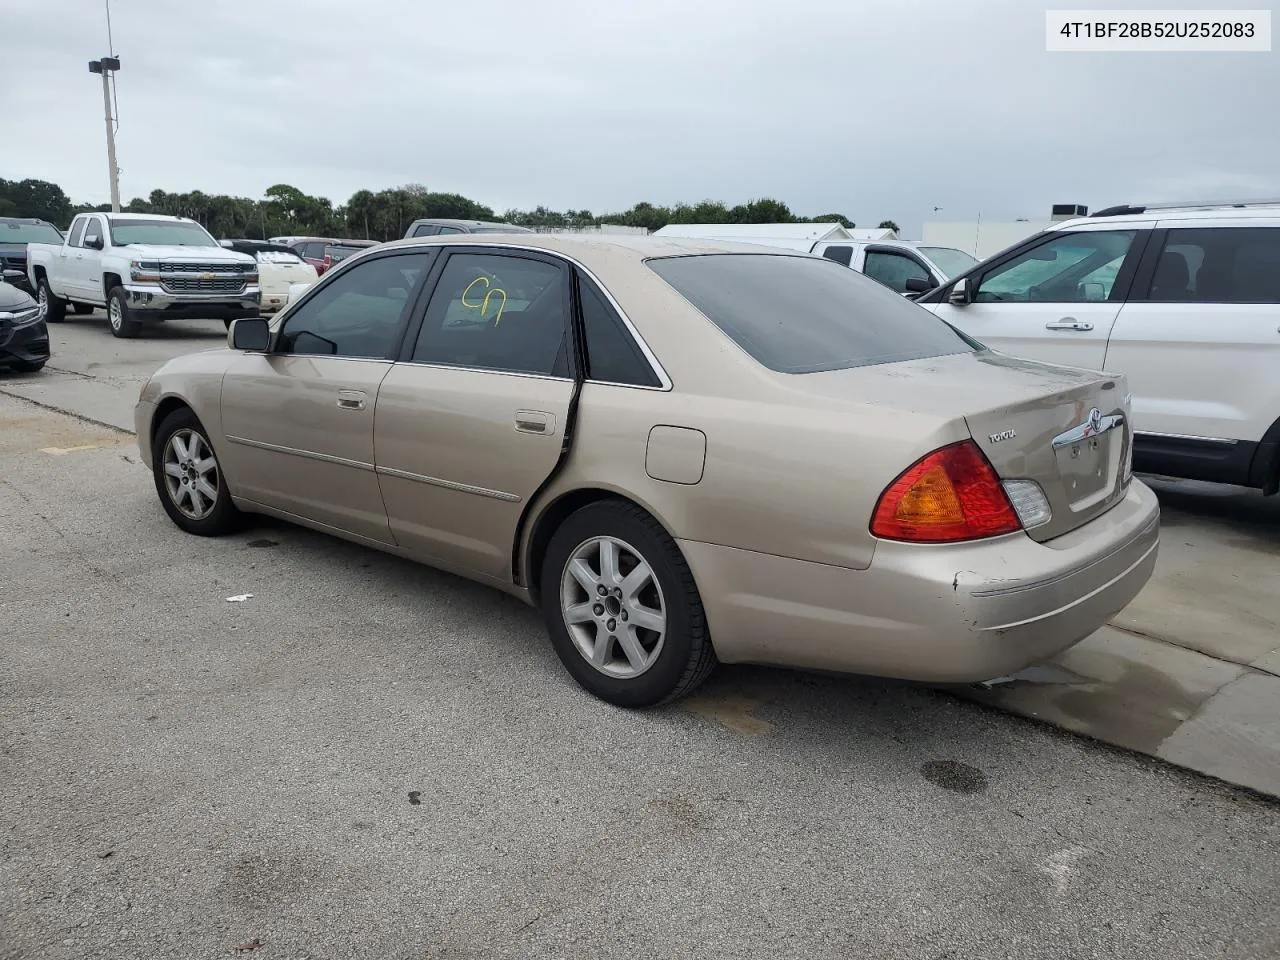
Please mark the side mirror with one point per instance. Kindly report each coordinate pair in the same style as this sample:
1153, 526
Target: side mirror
93, 243
249, 333
959, 294
919, 285
12, 276
226, 243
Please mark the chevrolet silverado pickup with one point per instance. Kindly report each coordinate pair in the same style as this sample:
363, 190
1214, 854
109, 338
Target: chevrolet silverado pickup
142, 267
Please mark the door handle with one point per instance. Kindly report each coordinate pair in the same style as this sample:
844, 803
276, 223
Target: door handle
352, 399
1068, 323
534, 421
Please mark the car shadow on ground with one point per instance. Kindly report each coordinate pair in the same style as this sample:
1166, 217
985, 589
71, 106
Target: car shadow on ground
168, 330
824, 720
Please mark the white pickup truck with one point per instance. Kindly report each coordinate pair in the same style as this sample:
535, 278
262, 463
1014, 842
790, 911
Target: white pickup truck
142, 267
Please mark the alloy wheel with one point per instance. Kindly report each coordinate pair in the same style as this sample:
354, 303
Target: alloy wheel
613, 607
191, 474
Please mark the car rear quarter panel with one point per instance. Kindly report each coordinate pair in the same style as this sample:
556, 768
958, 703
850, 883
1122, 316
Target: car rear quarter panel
783, 478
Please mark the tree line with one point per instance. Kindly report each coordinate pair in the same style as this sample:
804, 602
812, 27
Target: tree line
384, 215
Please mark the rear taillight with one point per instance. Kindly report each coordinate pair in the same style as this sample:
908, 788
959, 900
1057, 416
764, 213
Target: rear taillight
952, 494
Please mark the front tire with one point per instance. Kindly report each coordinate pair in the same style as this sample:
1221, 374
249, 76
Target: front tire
189, 479
27, 366
119, 317
52, 309
622, 609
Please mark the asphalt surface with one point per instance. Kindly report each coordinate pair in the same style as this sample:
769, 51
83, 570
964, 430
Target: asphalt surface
368, 758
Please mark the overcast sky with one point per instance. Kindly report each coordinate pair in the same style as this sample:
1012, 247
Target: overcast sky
871, 109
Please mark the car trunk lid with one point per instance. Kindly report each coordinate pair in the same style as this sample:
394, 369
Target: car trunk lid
1064, 428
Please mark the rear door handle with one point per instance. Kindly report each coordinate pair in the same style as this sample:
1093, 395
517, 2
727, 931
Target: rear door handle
352, 399
534, 421
1068, 323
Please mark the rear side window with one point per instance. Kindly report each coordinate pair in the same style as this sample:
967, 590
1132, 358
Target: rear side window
839, 254
1218, 265
425, 230
77, 231
807, 314
612, 355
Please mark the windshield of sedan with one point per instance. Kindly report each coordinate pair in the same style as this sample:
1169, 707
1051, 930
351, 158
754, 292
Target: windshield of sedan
166, 233
807, 314
28, 233
950, 261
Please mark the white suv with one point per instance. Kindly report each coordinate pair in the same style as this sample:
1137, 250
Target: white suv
1184, 300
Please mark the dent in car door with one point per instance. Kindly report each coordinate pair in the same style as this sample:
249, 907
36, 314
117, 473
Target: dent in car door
1056, 301
473, 420
299, 421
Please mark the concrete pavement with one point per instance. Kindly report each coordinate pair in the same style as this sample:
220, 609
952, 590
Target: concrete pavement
368, 758
1188, 672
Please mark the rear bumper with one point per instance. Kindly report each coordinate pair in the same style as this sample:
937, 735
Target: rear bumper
951, 613
149, 301
28, 343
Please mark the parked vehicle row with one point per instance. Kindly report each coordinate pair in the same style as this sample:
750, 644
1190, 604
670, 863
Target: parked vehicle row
904, 266
1184, 300
279, 269
142, 268
620, 431
15, 234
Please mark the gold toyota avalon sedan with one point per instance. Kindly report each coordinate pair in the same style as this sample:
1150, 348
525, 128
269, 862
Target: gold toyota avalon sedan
682, 452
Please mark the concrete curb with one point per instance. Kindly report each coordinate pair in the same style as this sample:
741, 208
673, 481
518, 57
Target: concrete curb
1195, 711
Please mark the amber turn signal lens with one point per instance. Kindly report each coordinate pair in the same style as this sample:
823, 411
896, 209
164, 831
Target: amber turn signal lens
950, 495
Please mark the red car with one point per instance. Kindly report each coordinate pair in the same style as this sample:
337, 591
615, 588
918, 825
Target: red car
324, 252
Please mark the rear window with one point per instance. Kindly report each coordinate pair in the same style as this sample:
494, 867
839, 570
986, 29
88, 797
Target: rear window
807, 314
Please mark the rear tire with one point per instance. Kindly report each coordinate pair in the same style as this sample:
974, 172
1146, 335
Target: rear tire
118, 315
189, 478
82, 309
27, 366
642, 642
52, 309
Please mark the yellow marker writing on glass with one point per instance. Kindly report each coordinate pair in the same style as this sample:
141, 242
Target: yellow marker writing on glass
483, 305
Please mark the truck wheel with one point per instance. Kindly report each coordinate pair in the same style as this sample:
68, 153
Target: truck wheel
118, 314
52, 310
81, 309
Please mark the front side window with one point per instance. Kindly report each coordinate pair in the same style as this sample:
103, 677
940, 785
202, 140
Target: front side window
1070, 268
92, 230
893, 269
163, 232
612, 355
1218, 265
950, 261
449, 230
498, 312
806, 314
425, 230
360, 312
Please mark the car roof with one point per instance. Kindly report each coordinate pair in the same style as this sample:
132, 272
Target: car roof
141, 216
597, 247
1149, 215
448, 222
23, 220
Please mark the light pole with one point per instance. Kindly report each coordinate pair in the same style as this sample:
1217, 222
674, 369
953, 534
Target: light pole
106, 67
